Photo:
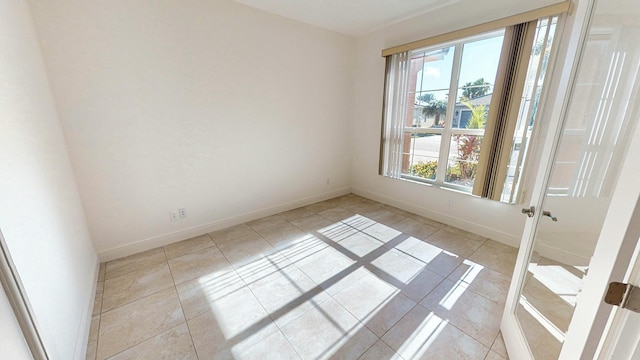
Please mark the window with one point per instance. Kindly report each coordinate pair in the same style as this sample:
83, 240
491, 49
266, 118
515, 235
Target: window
459, 113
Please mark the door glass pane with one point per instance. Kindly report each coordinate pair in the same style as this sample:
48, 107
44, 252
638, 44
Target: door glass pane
594, 143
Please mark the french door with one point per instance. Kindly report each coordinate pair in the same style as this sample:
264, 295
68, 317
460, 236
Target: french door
580, 232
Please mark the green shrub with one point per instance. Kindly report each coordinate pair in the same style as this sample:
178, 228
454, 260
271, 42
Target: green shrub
424, 169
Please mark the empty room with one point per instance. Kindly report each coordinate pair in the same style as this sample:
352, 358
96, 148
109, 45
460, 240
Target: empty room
252, 179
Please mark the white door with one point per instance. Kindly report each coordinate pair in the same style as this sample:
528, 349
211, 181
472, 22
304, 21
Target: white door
578, 238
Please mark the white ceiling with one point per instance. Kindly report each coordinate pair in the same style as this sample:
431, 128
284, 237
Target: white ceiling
350, 17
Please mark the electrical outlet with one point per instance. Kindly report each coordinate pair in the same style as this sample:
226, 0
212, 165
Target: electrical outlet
328, 181
173, 215
450, 202
182, 212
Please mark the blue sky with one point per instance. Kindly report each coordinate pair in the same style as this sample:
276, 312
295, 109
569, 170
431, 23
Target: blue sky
479, 60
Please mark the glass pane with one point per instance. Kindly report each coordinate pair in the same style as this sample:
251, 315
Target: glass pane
463, 159
528, 107
431, 79
478, 70
421, 155
430, 109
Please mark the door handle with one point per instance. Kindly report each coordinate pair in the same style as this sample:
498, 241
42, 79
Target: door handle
549, 214
530, 211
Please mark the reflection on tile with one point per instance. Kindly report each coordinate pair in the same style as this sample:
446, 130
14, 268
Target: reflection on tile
361, 207
134, 262
288, 295
384, 215
135, 285
360, 244
380, 351
320, 206
188, 246
491, 284
263, 267
311, 223
345, 200
415, 228
468, 311
438, 260
455, 242
303, 249
326, 265
383, 319
231, 233
138, 321
266, 222
246, 249
197, 295
92, 345
496, 256
465, 234
423, 335
343, 282
336, 214
366, 296
283, 235
273, 347
207, 261
383, 233
296, 213
328, 332
217, 336
172, 344
409, 275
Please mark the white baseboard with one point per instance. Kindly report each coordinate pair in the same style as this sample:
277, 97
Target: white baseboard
493, 234
561, 255
170, 238
82, 338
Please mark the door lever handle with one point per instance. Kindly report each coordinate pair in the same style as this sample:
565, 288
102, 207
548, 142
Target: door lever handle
549, 214
530, 211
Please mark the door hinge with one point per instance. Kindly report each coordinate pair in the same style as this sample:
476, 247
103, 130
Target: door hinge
624, 295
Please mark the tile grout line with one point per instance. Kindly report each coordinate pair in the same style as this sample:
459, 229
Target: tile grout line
175, 286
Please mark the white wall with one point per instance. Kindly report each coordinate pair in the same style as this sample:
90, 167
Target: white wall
12, 343
41, 215
490, 218
212, 106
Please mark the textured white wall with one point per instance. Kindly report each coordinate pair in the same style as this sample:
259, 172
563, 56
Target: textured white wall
490, 218
212, 106
41, 215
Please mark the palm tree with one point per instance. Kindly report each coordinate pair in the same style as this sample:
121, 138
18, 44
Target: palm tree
475, 89
435, 108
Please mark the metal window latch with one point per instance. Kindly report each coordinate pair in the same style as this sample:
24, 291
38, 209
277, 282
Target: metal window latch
530, 211
626, 296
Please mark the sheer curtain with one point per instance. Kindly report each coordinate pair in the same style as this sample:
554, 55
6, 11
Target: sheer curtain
395, 109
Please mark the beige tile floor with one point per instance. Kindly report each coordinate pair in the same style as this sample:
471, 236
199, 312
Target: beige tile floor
346, 278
